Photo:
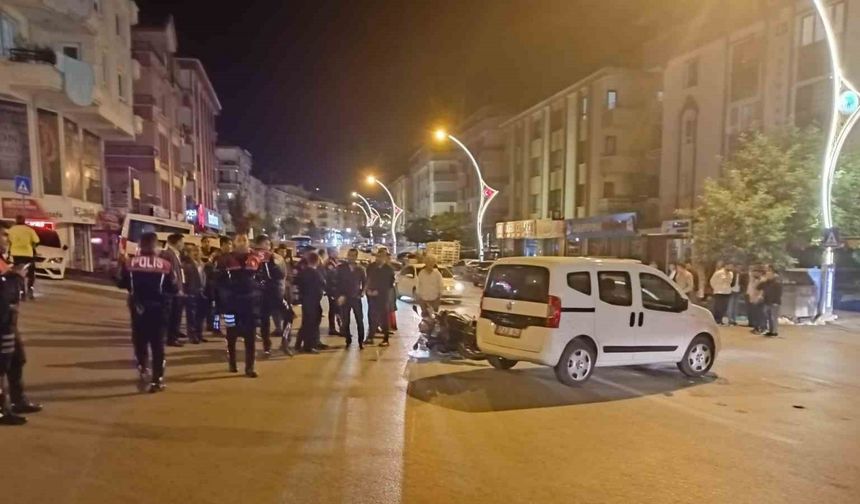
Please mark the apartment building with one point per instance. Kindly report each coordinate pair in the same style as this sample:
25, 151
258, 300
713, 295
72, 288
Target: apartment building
235, 181
66, 75
198, 110
436, 176
728, 73
583, 167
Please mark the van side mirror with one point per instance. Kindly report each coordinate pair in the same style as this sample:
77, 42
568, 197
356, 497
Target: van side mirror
65, 247
682, 304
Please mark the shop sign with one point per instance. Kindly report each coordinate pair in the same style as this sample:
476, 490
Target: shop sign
500, 230
29, 208
548, 229
676, 227
213, 220
603, 226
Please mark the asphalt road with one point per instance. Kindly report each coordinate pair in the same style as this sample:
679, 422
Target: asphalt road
776, 422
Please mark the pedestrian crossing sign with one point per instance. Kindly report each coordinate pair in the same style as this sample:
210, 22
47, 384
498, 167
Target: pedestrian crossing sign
23, 185
831, 238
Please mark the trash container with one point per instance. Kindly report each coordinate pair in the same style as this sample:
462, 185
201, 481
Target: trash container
799, 295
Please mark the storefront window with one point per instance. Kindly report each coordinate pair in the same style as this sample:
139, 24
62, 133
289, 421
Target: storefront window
72, 163
92, 167
14, 140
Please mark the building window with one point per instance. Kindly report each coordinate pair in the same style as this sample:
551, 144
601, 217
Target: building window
8, 32
105, 69
556, 160
537, 128
72, 51
97, 5
611, 99
534, 203
118, 25
689, 131
746, 59
535, 167
555, 203
692, 73
580, 195
609, 145
811, 29
609, 189
583, 107
556, 119
120, 84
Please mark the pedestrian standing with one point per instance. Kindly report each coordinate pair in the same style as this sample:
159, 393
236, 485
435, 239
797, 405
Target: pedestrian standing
206, 249
311, 285
380, 287
12, 357
195, 300
721, 285
755, 302
772, 297
24, 241
734, 297
430, 287
683, 278
239, 296
151, 282
271, 278
351, 284
173, 253
330, 271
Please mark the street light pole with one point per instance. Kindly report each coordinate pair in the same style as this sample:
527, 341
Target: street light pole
374, 215
366, 215
396, 211
486, 195
845, 113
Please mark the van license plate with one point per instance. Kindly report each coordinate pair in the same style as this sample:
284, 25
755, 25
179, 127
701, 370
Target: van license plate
510, 332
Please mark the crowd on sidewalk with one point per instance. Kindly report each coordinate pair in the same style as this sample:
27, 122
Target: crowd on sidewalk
759, 286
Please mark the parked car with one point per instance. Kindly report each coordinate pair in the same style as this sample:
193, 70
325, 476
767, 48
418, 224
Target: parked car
577, 314
479, 276
459, 268
406, 282
52, 255
474, 268
136, 224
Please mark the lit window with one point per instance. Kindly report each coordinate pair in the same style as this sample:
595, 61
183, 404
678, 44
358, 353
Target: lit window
611, 99
120, 83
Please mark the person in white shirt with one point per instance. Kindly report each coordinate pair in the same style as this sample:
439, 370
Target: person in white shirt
721, 285
430, 286
684, 280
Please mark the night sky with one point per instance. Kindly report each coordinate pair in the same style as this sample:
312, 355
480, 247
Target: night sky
321, 91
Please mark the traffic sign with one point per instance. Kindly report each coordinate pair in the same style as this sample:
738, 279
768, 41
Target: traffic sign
831, 238
23, 185
849, 102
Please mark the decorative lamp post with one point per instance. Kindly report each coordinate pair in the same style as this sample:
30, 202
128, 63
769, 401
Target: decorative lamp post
396, 211
487, 193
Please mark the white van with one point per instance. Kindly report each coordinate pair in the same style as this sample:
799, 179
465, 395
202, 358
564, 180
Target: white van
137, 224
575, 314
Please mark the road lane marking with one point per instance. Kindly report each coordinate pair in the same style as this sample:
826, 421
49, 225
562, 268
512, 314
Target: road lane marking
699, 414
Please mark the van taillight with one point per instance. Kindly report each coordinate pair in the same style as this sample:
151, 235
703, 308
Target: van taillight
554, 316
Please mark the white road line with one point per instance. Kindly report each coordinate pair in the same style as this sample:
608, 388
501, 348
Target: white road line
698, 414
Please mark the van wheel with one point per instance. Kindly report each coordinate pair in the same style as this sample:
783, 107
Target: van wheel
699, 357
500, 362
576, 363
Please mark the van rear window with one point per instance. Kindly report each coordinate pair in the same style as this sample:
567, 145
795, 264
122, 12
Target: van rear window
137, 228
518, 282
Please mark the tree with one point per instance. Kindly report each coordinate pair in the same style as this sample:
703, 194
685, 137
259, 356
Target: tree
314, 232
846, 195
290, 226
420, 231
766, 205
449, 225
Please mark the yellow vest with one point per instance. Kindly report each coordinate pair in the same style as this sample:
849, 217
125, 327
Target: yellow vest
22, 240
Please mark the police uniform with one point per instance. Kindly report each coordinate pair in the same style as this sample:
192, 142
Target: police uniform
271, 278
12, 358
239, 293
151, 282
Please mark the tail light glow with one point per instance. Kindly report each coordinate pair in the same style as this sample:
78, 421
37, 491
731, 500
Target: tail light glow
553, 318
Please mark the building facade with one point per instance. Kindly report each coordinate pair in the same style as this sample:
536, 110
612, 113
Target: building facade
436, 178
588, 153
66, 75
235, 183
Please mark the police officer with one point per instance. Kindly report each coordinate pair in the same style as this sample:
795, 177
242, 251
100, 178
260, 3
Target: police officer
12, 358
151, 281
239, 293
173, 253
271, 277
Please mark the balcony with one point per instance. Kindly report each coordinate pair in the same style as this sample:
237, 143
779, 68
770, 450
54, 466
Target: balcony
61, 15
32, 70
186, 156
619, 117
617, 204
620, 165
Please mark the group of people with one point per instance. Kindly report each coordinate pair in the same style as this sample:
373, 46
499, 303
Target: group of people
248, 290
759, 286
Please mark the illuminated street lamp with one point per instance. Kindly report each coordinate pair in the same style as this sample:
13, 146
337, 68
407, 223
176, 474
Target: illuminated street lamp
371, 213
844, 115
487, 193
396, 211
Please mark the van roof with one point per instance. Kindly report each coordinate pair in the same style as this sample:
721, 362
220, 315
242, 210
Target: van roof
557, 260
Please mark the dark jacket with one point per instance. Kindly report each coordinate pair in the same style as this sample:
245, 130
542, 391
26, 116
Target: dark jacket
380, 278
311, 284
239, 290
331, 277
194, 280
350, 281
270, 275
772, 290
176, 263
150, 279
10, 289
